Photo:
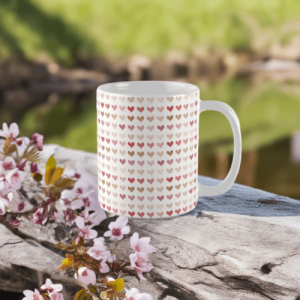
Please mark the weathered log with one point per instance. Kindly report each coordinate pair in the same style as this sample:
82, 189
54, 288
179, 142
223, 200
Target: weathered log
240, 245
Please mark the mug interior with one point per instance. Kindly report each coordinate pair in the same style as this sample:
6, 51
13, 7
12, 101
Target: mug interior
148, 88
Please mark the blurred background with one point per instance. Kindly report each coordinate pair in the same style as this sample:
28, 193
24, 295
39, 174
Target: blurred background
53, 55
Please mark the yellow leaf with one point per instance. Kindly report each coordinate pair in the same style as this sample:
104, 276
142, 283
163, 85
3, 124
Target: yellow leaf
6, 144
66, 263
65, 183
118, 285
50, 169
83, 295
57, 174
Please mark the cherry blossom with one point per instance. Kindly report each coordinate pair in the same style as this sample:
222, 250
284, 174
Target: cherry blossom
141, 244
139, 263
143, 296
56, 296
50, 287
130, 294
30, 295
40, 216
118, 228
37, 140
69, 216
86, 276
15, 178
10, 132
2, 207
84, 231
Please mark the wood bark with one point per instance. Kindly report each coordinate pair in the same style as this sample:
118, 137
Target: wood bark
242, 245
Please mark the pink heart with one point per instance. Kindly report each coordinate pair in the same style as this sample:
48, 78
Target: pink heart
160, 180
123, 212
160, 144
141, 162
178, 160
161, 127
123, 178
141, 128
122, 126
150, 127
150, 163
170, 161
131, 162
170, 197
150, 198
114, 107
131, 127
122, 143
150, 180
160, 198
178, 125
131, 197
160, 108
170, 127
122, 108
160, 214
177, 195
150, 109
122, 161
123, 196
141, 198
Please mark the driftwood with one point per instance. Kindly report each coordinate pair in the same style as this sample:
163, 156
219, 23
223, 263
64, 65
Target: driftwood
240, 245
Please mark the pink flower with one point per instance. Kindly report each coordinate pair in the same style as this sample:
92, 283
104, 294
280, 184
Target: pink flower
86, 276
69, 216
92, 219
143, 296
50, 287
21, 165
134, 294
142, 244
98, 249
30, 295
56, 296
11, 132
15, 178
40, 216
2, 207
130, 294
37, 140
84, 231
7, 164
138, 261
118, 228
34, 168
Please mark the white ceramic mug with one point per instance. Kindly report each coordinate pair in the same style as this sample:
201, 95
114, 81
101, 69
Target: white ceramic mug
148, 148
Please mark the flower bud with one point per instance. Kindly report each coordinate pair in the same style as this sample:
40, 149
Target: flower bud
15, 223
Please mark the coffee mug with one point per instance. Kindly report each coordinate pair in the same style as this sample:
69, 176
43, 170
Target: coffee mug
148, 140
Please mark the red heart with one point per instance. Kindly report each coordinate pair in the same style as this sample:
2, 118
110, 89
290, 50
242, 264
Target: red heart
109, 208
178, 142
141, 214
185, 208
178, 107
178, 178
131, 180
131, 144
140, 180
170, 179
170, 108
141, 145
177, 211
170, 144
131, 213
103, 205
102, 104
131, 109
150, 214
115, 210
140, 109
170, 213
160, 198
103, 173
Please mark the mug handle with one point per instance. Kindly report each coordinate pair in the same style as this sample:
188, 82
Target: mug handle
228, 112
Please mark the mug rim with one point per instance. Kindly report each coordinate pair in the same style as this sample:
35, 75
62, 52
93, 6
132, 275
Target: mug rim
150, 88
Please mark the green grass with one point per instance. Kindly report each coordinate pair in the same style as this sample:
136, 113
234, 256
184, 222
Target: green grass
66, 29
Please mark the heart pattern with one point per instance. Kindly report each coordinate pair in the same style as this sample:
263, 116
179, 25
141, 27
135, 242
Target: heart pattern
147, 154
